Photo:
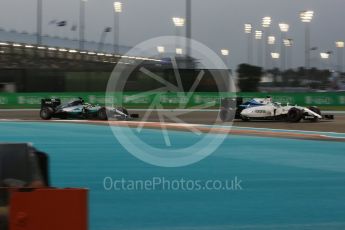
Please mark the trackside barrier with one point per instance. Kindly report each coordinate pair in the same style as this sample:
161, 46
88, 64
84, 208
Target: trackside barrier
142, 100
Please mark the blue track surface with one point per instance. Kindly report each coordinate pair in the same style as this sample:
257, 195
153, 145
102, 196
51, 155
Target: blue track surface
287, 184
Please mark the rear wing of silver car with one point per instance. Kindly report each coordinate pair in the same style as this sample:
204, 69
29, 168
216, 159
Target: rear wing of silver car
54, 102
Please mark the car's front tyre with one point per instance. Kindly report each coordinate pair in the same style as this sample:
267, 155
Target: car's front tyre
294, 115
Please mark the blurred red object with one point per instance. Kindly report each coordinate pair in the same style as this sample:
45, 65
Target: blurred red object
53, 209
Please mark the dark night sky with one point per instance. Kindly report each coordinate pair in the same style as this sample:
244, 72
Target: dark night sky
218, 23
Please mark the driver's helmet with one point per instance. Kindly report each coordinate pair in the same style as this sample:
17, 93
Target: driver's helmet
79, 101
268, 99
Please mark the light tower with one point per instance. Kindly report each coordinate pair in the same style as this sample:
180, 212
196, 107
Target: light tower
258, 37
188, 27
288, 44
284, 28
160, 49
326, 56
117, 10
225, 54
39, 22
82, 24
266, 24
271, 40
178, 23
248, 31
340, 50
307, 17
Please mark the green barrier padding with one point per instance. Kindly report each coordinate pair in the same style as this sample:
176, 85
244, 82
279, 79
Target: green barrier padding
173, 100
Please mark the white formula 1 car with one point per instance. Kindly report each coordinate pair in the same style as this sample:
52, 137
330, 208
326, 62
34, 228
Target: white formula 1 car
269, 110
265, 109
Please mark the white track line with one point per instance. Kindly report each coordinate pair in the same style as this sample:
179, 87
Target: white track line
325, 134
187, 125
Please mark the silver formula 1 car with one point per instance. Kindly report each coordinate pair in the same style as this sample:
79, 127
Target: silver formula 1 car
78, 109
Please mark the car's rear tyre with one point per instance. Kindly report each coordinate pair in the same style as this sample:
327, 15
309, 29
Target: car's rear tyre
315, 110
46, 113
294, 115
102, 114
